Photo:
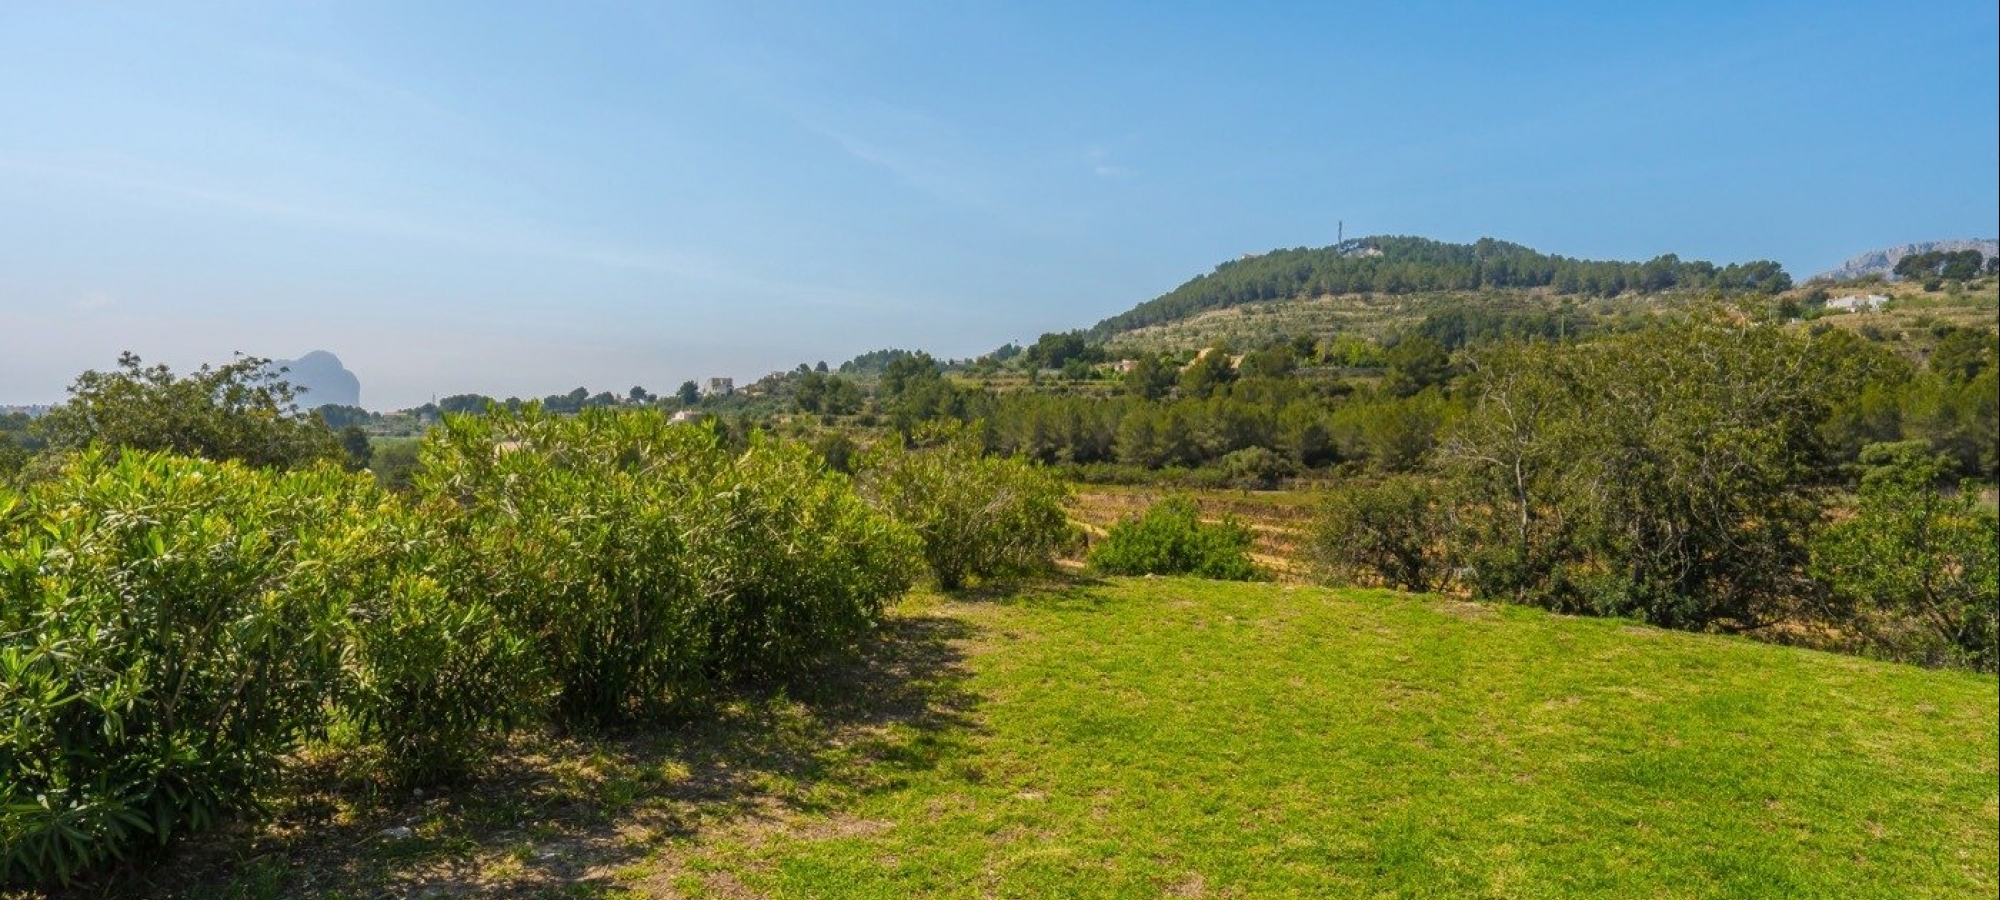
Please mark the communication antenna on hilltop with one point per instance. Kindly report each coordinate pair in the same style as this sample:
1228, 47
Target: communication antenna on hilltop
1340, 233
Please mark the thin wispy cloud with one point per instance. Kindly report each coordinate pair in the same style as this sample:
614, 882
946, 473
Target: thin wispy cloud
242, 203
906, 145
1102, 166
517, 240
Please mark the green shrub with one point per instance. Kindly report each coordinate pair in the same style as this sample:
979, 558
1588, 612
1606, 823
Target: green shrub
1170, 539
439, 678
1393, 532
976, 516
576, 529
436, 673
1920, 566
171, 627
1257, 467
166, 635
648, 561
792, 564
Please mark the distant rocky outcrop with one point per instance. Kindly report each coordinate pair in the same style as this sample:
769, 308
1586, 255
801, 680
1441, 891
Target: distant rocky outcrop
323, 380
1883, 262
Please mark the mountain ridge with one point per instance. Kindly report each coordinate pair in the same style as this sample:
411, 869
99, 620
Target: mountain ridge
1883, 261
1391, 264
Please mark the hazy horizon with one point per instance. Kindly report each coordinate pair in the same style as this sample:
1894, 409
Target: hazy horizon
466, 198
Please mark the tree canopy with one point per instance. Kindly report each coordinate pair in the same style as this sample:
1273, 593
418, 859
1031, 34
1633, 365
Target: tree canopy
240, 411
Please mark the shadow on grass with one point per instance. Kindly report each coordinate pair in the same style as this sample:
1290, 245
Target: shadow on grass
566, 817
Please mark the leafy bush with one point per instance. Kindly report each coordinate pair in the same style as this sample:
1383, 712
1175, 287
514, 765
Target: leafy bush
577, 531
1394, 531
792, 564
1668, 473
165, 636
439, 677
1257, 467
648, 561
435, 672
976, 516
242, 411
1921, 566
1170, 539
171, 627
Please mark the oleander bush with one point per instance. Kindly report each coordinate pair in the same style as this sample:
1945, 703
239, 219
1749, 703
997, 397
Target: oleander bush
648, 561
171, 628
436, 676
976, 516
1169, 538
576, 530
792, 564
167, 633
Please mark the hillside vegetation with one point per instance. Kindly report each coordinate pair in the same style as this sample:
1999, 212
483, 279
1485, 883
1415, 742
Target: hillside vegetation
1410, 265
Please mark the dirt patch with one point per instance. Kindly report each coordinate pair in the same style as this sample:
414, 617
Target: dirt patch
1464, 609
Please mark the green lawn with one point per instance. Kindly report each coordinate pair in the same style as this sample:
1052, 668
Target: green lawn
1179, 738
1148, 738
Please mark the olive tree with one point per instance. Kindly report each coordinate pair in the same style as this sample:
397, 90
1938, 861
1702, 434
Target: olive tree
1921, 565
1671, 473
242, 410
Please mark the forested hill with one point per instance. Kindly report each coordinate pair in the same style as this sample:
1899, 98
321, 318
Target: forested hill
1401, 265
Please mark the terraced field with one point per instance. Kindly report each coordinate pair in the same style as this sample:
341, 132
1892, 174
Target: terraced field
1281, 520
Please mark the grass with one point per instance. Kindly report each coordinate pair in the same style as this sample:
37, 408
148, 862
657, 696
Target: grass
1180, 738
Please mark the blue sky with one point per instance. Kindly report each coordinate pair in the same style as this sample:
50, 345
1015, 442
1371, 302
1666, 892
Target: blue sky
524, 198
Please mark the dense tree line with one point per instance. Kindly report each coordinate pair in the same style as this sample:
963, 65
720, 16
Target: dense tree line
1403, 265
1955, 265
1686, 474
1253, 415
574, 401
873, 362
